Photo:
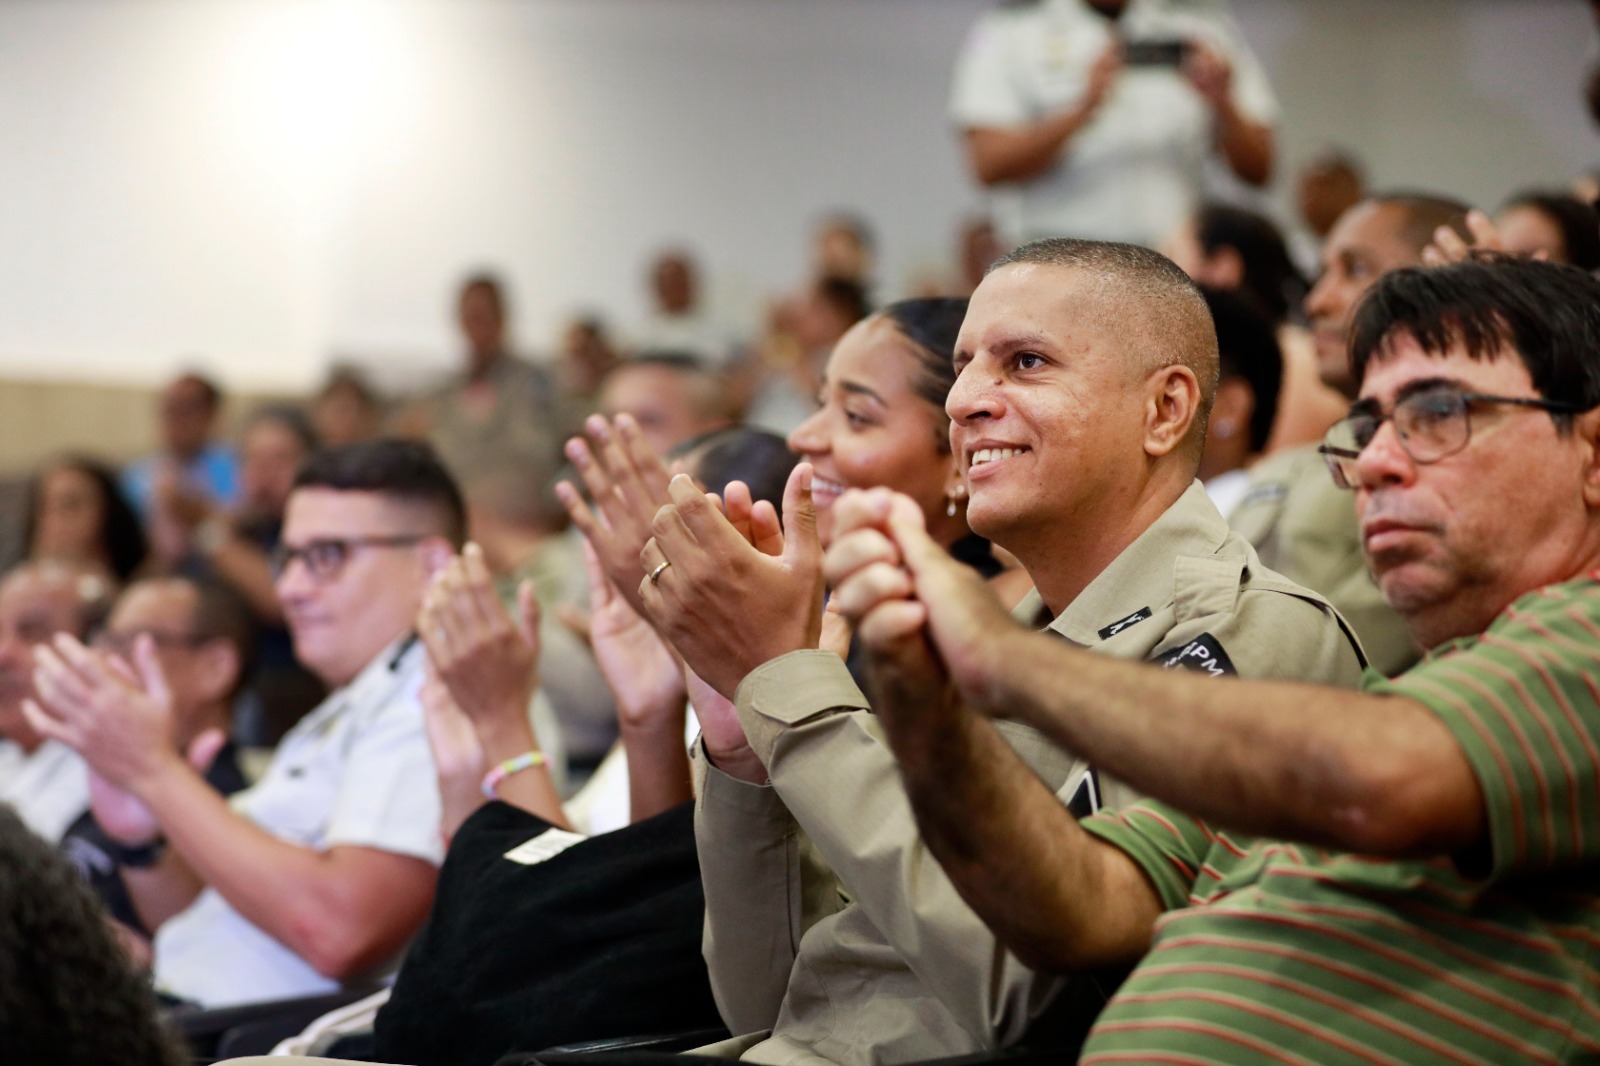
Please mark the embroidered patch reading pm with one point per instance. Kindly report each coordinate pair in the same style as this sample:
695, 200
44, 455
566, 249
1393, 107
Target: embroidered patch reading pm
1123, 623
1204, 654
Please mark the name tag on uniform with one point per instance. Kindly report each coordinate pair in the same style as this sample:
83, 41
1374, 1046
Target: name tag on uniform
1123, 623
547, 845
1204, 654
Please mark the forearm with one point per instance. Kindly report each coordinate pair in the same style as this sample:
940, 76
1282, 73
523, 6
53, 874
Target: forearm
1246, 145
658, 765
1372, 774
1006, 154
289, 891
532, 789
753, 871
158, 892
1061, 900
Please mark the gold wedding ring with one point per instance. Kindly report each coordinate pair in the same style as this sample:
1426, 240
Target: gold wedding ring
655, 575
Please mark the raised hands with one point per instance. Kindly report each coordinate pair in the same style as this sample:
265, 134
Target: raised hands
919, 613
725, 605
1449, 247
627, 482
118, 717
643, 674
485, 660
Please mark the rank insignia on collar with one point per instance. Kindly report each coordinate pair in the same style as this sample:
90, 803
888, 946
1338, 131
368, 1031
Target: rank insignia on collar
1123, 623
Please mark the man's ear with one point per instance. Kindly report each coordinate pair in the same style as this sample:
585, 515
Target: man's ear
1586, 427
1173, 403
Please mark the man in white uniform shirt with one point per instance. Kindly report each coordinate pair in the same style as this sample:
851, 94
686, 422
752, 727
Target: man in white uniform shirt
1088, 118
322, 871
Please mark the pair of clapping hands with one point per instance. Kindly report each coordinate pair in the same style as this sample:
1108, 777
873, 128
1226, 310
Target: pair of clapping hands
717, 584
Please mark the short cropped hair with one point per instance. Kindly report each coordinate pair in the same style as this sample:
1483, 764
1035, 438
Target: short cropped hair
705, 390
932, 324
1160, 310
1248, 349
219, 613
760, 459
1548, 314
1422, 213
68, 995
407, 471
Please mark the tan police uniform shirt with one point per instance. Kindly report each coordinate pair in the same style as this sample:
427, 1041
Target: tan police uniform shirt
828, 922
1304, 526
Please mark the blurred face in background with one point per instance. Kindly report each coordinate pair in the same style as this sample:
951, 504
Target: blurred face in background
71, 516
270, 454
35, 605
1526, 230
187, 417
1367, 242
482, 320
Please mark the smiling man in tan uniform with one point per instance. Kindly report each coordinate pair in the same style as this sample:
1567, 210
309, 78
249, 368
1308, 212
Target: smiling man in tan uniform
1086, 371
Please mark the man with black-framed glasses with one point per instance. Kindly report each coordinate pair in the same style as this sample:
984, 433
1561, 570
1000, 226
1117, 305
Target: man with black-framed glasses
1405, 873
321, 871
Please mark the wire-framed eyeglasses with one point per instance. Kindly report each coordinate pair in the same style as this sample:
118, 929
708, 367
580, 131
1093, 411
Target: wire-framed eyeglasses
1432, 423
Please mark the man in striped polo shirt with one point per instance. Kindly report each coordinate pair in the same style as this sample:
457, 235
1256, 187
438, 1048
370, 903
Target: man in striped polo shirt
1402, 874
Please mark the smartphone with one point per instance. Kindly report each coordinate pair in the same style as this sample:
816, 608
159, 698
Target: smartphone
1155, 53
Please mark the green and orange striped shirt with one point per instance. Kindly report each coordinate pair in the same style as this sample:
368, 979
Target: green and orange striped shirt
1275, 952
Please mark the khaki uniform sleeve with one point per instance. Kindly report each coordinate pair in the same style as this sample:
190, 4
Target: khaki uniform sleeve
764, 884
838, 777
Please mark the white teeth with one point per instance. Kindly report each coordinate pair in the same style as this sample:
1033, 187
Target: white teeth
822, 484
989, 455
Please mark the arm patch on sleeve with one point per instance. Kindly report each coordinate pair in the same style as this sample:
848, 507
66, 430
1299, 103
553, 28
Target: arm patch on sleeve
1204, 654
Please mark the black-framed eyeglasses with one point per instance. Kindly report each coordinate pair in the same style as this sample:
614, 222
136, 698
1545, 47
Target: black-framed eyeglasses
1432, 423
324, 558
121, 642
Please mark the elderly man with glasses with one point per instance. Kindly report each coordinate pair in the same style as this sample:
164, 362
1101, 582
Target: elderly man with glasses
1401, 874
321, 871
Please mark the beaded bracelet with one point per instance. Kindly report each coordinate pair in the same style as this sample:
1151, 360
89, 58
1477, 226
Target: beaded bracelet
515, 764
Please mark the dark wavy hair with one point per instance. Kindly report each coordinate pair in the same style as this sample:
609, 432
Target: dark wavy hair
406, 470
121, 534
1578, 222
1270, 277
68, 995
1547, 314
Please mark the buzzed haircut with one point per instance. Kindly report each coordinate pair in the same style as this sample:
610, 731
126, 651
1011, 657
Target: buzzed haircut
704, 390
1422, 213
1548, 314
517, 486
760, 459
406, 471
1158, 308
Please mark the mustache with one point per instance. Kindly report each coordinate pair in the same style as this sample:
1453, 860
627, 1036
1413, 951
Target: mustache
1382, 507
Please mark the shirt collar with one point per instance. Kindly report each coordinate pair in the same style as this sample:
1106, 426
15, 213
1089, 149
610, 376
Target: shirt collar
1141, 577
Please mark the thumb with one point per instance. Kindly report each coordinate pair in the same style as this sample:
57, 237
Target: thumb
149, 668
203, 749
910, 531
528, 613
800, 516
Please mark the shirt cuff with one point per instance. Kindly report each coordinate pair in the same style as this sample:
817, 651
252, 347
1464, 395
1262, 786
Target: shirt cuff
791, 690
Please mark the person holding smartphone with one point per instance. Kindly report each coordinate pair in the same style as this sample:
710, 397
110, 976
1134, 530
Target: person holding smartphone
1096, 118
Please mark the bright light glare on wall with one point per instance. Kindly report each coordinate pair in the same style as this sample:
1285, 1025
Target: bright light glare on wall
317, 79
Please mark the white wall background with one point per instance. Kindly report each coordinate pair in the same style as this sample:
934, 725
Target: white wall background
261, 186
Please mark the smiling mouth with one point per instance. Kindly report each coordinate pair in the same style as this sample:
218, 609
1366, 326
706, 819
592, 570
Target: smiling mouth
992, 455
821, 486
